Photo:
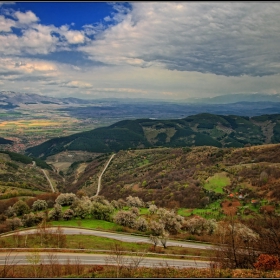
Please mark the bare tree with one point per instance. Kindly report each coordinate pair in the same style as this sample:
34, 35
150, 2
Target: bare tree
116, 256
16, 237
43, 230
8, 266
134, 263
60, 237
53, 264
238, 245
267, 226
34, 259
125, 266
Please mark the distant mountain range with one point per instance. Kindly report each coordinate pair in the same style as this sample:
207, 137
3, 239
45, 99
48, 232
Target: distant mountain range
235, 98
11, 100
135, 108
196, 130
14, 99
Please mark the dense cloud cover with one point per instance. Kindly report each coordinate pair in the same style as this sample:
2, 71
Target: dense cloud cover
178, 43
223, 38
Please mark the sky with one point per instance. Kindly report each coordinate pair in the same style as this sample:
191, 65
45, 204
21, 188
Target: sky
159, 50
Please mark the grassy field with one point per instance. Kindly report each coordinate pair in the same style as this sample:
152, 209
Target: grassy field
96, 243
207, 213
38, 128
88, 223
217, 182
41, 126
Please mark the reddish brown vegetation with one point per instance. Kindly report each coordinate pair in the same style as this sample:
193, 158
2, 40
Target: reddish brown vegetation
230, 207
267, 262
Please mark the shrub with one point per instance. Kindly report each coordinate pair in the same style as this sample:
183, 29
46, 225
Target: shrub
21, 208
66, 199
267, 262
56, 212
68, 214
125, 218
39, 205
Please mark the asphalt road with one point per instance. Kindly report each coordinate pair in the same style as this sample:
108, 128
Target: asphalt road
121, 237
24, 258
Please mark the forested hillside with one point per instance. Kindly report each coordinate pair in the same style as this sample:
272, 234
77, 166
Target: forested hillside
198, 130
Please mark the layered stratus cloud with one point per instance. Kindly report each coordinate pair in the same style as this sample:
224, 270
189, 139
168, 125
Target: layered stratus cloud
169, 50
228, 38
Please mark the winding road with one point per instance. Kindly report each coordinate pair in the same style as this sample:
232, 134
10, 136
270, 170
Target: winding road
99, 179
117, 236
102, 259
21, 258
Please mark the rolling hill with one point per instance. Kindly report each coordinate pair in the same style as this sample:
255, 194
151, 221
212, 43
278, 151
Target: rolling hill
19, 176
183, 177
197, 130
174, 177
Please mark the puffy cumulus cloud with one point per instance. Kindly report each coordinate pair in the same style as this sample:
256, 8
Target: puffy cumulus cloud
11, 68
71, 36
74, 36
26, 18
225, 38
93, 29
6, 24
31, 67
35, 41
32, 41
34, 38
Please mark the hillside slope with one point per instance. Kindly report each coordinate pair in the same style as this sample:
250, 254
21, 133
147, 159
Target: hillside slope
22, 176
171, 177
183, 177
197, 130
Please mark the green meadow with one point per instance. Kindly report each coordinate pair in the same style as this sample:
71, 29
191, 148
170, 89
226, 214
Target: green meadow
217, 182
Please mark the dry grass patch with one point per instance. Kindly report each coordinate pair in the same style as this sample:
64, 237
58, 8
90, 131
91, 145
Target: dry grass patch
230, 207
